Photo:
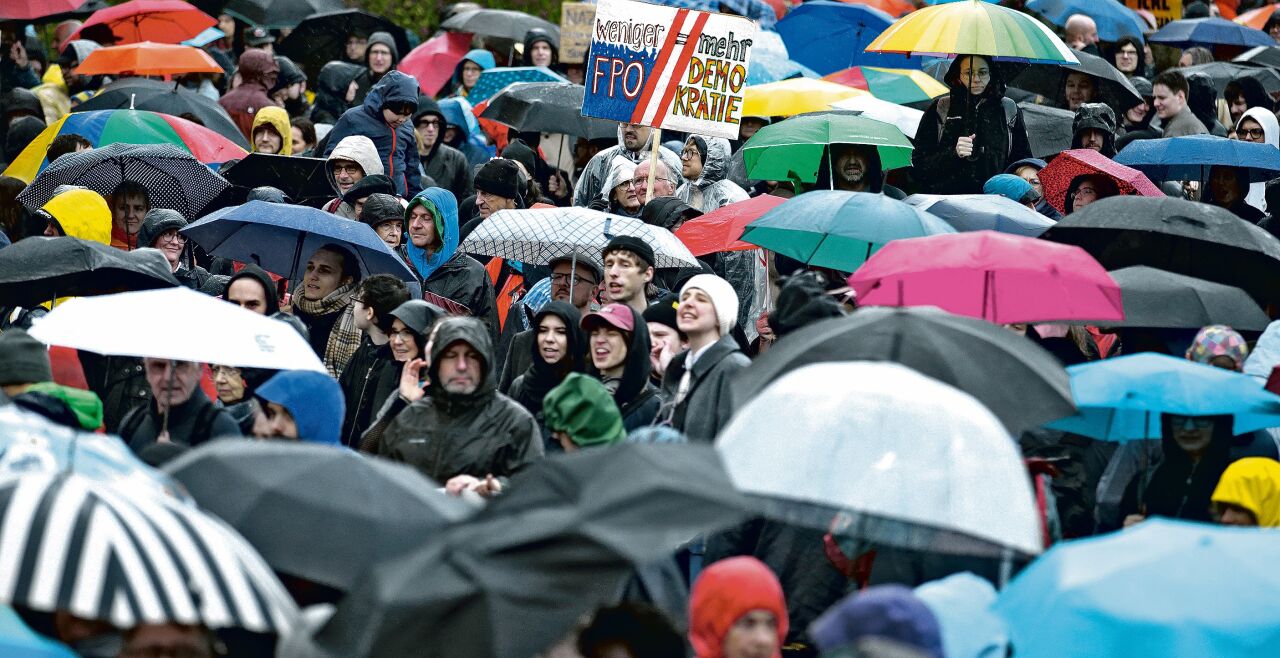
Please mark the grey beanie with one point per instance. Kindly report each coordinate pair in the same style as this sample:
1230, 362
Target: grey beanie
23, 359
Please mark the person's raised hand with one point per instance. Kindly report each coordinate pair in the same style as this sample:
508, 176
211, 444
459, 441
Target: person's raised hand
460, 483
410, 380
964, 146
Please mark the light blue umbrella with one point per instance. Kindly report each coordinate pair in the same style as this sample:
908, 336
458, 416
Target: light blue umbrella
494, 80
205, 38
983, 212
1121, 399
769, 67
17, 639
1190, 157
1173, 589
1113, 18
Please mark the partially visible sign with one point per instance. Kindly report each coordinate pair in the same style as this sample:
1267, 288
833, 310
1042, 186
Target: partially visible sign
667, 67
1163, 10
575, 30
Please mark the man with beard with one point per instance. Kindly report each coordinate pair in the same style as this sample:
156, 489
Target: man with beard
856, 168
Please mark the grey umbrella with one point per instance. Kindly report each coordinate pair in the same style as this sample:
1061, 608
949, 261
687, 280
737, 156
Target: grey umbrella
1160, 299
1048, 129
1113, 88
501, 23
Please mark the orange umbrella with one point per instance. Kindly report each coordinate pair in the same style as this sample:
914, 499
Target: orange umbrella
147, 58
894, 8
1257, 18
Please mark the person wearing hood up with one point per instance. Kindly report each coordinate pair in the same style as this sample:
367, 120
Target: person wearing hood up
1195, 451
970, 134
1243, 93
15, 104
383, 118
1129, 58
1086, 189
540, 49
737, 610
462, 131
555, 352
1094, 127
325, 303
337, 90
160, 230
574, 280
347, 163
69, 59
467, 73
22, 130
458, 430
258, 73
1013, 188
1258, 125
618, 348
357, 194
252, 290
290, 88
704, 163
1248, 494
1135, 123
271, 132
618, 197
375, 300
1170, 92
580, 413
300, 405
1202, 98
431, 224
380, 56
697, 380
633, 144
1028, 169
856, 168
235, 387
384, 213
884, 616
1227, 188
446, 165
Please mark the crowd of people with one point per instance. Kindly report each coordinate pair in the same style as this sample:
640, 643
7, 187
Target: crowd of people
479, 367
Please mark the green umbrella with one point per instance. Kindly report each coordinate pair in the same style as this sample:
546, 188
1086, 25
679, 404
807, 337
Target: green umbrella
793, 149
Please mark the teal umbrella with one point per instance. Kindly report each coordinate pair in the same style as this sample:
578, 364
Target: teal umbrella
494, 80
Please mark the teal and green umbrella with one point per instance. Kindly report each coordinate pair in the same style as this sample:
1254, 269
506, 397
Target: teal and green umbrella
793, 149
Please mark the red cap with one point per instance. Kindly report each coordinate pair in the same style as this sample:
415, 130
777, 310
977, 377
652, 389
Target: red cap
618, 316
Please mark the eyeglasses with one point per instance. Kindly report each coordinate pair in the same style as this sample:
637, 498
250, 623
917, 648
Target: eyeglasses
564, 278
1191, 422
640, 183
403, 334
1127, 53
173, 236
429, 122
1251, 133
689, 153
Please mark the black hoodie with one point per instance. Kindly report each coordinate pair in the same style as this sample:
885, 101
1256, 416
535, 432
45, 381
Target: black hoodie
260, 275
534, 36
1179, 488
1203, 101
444, 164
540, 377
637, 397
331, 91
387, 40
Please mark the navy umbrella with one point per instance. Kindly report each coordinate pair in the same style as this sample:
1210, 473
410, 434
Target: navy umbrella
1209, 32
1189, 158
1113, 18
280, 237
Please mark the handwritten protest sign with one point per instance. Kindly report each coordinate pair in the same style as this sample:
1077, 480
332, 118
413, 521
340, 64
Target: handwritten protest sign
668, 68
576, 21
1163, 10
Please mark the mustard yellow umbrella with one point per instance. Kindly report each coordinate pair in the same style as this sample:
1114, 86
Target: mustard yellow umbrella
970, 27
795, 96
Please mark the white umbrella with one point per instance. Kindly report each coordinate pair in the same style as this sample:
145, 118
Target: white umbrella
179, 324
892, 456
537, 235
905, 118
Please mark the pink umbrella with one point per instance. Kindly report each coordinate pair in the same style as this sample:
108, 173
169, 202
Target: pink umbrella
1057, 177
433, 62
720, 229
1001, 278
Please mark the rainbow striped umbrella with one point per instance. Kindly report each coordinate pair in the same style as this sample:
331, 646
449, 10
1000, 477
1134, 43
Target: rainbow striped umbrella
900, 86
970, 27
103, 127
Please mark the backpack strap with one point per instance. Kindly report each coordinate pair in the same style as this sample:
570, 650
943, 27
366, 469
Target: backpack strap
1010, 120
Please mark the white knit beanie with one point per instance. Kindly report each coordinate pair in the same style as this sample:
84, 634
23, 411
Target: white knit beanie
722, 296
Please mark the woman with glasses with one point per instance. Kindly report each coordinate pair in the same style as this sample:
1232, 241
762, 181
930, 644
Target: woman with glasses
160, 230
1258, 125
1130, 58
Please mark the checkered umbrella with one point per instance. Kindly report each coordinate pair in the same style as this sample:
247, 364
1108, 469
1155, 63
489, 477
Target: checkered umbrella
495, 80
538, 235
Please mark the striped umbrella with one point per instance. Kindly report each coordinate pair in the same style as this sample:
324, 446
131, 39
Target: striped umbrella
115, 555
970, 27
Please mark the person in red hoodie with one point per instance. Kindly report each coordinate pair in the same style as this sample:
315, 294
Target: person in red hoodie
737, 610
258, 73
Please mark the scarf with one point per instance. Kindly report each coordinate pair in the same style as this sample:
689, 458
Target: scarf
345, 337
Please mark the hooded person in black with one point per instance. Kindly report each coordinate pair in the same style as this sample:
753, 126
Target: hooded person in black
637, 398
1094, 127
1195, 452
529, 58
379, 296
259, 276
16, 103
1243, 93
446, 165
541, 376
332, 86
289, 75
1202, 98
1227, 188
21, 133
374, 67
155, 224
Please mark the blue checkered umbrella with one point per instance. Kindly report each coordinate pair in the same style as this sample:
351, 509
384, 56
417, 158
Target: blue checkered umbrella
494, 80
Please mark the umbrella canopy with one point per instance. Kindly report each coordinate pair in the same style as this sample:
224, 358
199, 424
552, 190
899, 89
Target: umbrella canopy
894, 85
970, 27
1223, 73
905, 118
769, 67
281, 497
1163, 588
275, 14
886, 455
1122, 398
169, 98
106, 127
494, 80
1004, 279
157, 324
1260, 56
829, 36
794, 149
894, 8
839, 230
281, 237
1195, 239
511, 579
536, 236
433, 63
1190, 157
720, 229
1114, 20
1209, 32
1156, 298
148, 58
1048, 128
553, 107
1020, 382
322, 37
795, 96
33, 9
1111, 86
1257, 18
501, 23
983, 212
298, 177
1056, 178
104, 553
17, 639
162, 21
40, 269
172, 177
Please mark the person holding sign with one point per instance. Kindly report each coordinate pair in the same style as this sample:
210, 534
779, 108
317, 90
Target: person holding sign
633, 144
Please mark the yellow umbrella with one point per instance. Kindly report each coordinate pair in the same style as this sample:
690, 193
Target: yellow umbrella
795, 96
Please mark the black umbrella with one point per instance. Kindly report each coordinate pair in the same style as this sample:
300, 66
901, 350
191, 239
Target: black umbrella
1185, 237
1022, 384
323, 37
1224, 72
554, 107
1113, 88
314, 511
1048, 128
298, 177
172, 177
276, 14
515, 578
167, 98
501, 23
1260, 56
1164, 300
39, 269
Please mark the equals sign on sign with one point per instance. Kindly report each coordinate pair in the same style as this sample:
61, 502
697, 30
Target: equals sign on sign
682, 38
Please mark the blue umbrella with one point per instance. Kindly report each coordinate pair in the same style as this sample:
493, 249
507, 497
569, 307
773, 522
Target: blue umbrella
17, 639
771, 68
280, 237
1210, 32
829, 36
757, 10
983, 212
205, 38
1121, 399
494, 80
1165, 588
1189, 158
1113, 18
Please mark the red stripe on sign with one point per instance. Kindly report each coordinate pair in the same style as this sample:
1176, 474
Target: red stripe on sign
685, 55
667, 46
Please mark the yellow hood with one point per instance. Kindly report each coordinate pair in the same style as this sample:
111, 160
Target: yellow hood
279, 119
81, 213
1254, 484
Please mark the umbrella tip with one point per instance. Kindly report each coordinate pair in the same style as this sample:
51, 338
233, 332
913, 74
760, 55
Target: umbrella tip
131, 97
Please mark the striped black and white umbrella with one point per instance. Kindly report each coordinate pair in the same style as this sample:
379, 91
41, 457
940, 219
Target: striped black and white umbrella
538, 235
130, 557
172, 177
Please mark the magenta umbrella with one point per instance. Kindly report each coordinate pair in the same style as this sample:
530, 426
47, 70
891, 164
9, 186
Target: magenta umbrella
433, 62
998, 277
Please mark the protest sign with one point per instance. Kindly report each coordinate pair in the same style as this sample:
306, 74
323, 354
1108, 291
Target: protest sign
575, 30
1163, 10
668, 68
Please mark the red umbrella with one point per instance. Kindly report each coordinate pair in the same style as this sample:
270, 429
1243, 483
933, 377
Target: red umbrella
720, 229
433, 62
18, 10
998, 277
162, 21
1057, 177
